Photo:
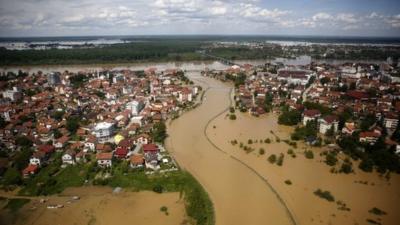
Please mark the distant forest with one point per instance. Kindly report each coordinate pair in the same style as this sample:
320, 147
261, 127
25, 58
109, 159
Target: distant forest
187, 49
128, 52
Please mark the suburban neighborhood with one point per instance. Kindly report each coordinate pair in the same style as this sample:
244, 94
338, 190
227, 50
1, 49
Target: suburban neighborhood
100, 116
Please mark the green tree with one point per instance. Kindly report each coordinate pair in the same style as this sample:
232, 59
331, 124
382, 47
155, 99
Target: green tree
12, 177
23, 141
290, 118
72, 124
159, 132
22, 158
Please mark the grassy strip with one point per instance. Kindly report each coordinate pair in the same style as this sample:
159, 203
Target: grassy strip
199, 205
15, 204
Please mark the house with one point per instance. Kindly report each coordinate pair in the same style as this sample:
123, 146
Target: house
369, 137
48, 149
69, 157
90, 144
185, 95
121, 152
38, 158
104, 159
390, 122
310, 115
61, 142
348, 128
126, 143
136, 161
31, 169
151, 156
328, 122
142, 139
103, 131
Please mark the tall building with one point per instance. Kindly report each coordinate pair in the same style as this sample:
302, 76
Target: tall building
53, 79
135, 107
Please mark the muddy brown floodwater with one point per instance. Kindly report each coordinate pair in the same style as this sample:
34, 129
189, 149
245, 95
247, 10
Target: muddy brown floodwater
240, 196
246, 189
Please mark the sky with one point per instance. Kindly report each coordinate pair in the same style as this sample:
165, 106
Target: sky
25, 18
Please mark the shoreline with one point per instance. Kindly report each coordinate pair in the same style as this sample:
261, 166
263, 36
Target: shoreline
108, 65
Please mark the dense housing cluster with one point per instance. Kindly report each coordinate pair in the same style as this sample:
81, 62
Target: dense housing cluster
96, 117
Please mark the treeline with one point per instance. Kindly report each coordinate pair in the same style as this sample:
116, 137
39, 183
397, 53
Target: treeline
239, 52
138, 51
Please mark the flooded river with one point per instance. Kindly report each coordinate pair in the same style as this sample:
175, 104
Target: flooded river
239, 195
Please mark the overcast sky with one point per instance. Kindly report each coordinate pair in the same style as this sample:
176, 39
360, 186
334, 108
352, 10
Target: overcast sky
136, 17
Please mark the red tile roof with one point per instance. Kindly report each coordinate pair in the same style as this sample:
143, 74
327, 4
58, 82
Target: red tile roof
312, 113
104, 156
30, 169
150, 147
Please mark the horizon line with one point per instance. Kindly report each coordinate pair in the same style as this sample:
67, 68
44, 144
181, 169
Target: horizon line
210, 35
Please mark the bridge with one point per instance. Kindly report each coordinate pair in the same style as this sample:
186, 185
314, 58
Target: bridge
219, 59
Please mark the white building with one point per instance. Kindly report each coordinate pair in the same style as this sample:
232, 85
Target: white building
185, 95
104, 159
390, 122
13, 95
310, 115
69, 157
135, 107
137, 120
103, 130
327, 123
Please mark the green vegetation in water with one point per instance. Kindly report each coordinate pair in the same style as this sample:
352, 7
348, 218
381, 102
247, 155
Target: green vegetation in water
309, 154
290, 117
331, 159
288, 182
272, 158
164, 209
280, 159
291, 153
377, 211
371, 221
342, 206
15, 204
346, 167
325, 195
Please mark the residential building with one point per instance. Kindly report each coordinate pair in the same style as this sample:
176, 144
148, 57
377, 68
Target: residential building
310, 115
104, 159
103, 131
328, 122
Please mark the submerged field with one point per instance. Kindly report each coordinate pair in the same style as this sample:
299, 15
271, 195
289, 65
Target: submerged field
297, 178
99, 205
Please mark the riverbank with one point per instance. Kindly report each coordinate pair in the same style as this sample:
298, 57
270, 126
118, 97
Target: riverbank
160, 65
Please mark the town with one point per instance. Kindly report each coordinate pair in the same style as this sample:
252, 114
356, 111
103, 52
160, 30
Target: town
51, 121
352, 107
